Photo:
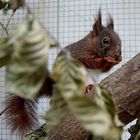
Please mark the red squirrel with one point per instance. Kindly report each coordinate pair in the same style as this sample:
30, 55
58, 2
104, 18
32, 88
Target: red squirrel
99, 50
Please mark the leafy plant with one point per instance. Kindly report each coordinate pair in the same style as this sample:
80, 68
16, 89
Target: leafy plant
97, 115
38, 134
30, 46
134, 130
13, 5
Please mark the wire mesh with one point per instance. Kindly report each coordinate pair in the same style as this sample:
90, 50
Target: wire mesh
69, 21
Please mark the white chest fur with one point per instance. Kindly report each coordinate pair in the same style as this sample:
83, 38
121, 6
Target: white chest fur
94, 75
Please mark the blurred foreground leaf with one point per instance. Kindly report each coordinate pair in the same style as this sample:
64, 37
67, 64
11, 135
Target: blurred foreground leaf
5, 52
98, 116
26, 71
70, 79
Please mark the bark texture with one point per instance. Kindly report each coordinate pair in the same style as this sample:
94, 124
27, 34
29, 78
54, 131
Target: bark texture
124, 84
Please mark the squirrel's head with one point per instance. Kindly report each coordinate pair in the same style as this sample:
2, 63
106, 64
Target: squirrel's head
100, 49
106, 42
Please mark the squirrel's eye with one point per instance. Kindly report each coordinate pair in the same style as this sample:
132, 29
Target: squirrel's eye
106, 41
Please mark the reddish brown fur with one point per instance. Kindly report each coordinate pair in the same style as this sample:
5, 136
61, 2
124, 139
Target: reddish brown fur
20, 114
47, 87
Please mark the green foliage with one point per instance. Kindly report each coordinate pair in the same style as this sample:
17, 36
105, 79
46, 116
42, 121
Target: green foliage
27, 67
5, 52
70, 79
134, 130
96, 115
6, 5
25, 55
38, 134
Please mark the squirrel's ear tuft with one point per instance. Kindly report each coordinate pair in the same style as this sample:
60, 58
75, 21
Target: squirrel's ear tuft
110, 23
97, 27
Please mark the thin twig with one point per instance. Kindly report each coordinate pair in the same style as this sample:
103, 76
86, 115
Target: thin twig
3, 112
10, 19
5, 27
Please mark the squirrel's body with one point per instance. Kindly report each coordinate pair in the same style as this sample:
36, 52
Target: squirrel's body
99, 50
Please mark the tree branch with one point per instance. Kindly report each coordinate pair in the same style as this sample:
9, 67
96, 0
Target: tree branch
124, 84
